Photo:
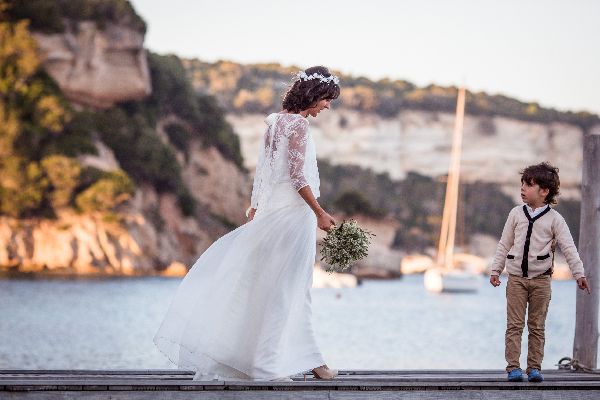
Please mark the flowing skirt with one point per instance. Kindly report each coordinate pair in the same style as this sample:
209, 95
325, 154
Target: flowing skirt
243, 311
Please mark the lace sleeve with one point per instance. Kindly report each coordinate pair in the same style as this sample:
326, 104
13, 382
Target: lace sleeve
257, 176
296, 154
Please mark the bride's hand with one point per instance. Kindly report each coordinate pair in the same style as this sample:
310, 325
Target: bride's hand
325, 222
250, 214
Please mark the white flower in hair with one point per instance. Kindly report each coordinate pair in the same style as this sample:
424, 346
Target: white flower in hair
325, 79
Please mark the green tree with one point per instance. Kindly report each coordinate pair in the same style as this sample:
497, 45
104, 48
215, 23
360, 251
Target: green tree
30, 108
63, 173
22, 186
18, 64
27, 110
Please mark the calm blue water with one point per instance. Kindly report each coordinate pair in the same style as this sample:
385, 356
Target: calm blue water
110, 323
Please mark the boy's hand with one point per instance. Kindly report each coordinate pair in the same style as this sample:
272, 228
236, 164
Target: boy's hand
583, 284
495, 280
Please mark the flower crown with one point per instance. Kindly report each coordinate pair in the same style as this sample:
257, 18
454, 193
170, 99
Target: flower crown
304, 77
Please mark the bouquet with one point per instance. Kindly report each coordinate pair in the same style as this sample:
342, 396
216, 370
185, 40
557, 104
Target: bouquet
345, 244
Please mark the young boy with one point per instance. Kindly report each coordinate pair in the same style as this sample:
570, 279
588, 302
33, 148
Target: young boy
527, 249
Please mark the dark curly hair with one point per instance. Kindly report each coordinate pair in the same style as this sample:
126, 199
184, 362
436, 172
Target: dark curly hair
546, 176
305, 94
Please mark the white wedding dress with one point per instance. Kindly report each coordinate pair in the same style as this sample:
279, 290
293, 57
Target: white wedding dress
243, 311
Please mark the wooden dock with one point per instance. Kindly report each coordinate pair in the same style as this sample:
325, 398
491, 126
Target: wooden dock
363, 384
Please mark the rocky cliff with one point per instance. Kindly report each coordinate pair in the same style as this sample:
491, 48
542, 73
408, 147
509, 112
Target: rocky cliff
99, 67
146, 235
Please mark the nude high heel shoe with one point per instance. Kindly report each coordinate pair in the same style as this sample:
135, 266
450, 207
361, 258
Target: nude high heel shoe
323, 372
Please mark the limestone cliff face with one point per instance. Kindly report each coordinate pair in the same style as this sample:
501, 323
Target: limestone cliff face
494, 148
97, 67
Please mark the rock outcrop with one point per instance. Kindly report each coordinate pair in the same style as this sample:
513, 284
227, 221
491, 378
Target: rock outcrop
97, 67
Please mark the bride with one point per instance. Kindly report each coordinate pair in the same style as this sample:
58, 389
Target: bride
243, 311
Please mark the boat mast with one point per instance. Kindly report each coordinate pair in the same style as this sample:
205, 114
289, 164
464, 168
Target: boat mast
445, 254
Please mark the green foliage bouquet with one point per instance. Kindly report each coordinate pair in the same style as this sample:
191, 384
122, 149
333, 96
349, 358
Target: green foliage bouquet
345, 244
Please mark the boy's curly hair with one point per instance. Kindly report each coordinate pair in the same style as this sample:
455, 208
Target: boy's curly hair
305, 94
546, 176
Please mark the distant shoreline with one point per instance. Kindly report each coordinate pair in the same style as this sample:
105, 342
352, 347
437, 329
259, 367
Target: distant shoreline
49, 275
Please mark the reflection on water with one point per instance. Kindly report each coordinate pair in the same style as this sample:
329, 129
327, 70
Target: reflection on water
109, 323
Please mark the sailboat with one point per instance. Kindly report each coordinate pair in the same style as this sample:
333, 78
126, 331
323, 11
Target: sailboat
446, 275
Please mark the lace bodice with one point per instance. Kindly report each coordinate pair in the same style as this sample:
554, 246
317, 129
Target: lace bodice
287, 155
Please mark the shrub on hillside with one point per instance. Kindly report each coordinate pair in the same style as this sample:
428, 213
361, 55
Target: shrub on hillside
22, 187
107, 193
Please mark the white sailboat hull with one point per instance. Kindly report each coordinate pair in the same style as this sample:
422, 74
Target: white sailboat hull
441, 280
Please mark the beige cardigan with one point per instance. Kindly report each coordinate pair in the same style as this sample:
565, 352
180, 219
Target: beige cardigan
533, 236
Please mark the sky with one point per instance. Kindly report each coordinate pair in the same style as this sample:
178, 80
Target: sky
545, 51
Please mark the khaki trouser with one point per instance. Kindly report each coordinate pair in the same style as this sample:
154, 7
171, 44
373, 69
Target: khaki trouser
520, 292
